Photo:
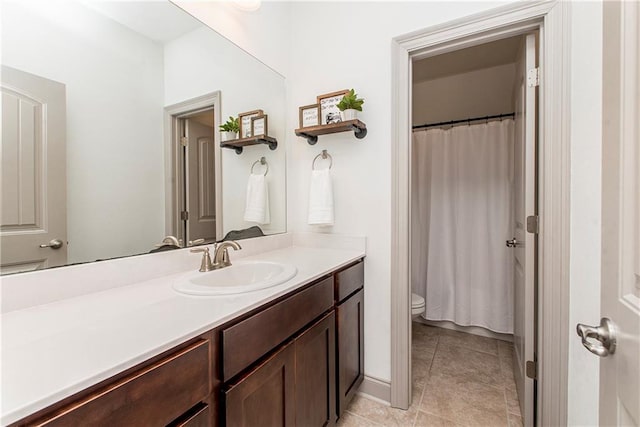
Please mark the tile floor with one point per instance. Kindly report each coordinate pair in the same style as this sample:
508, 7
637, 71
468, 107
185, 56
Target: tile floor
459, 379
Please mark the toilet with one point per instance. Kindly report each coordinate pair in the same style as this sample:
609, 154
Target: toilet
417, 306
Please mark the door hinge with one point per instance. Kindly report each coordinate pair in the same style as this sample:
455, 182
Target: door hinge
184, 141
532, 369
533, 77
532, 224
184, 215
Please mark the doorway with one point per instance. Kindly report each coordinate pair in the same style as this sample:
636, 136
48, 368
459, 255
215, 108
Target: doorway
472, 258
195, 210
550, 21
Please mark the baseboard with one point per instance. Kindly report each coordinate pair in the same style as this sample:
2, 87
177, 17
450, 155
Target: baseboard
375, 389
475, 330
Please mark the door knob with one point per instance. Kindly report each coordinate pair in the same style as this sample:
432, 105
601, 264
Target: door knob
512, 243
605, 335
54, 244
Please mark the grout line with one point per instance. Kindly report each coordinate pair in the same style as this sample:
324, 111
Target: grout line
362, 418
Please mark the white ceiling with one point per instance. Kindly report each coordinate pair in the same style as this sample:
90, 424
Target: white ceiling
474, 58
158, 20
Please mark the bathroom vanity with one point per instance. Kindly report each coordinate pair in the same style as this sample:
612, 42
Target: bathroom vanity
290, 355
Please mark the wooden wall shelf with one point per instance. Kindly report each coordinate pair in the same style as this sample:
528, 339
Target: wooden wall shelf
311, 133
238, 144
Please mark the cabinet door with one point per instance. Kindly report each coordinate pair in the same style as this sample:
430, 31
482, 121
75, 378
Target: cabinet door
266, 396
350, 327
315, 374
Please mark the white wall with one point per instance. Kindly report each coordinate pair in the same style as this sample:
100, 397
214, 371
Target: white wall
263, 33
201, 62
477, 93
585, 243
114, 69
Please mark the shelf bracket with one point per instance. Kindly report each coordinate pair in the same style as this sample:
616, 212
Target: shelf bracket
359, 132
311, 139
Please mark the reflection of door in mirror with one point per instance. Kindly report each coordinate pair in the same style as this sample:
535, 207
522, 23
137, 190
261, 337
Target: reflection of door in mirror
198, 169
34, 234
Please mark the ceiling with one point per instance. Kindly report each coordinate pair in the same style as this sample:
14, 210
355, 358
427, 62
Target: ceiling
161, 21
486, 55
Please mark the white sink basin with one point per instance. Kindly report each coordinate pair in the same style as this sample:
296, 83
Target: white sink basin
241, 277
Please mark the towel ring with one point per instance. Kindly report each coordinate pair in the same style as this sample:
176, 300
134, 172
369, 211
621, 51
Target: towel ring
324, 155
263, 162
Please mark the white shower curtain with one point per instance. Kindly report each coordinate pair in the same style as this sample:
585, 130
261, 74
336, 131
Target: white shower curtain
461, 216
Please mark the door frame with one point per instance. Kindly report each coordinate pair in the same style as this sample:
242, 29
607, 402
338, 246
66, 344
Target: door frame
551, 19
173, 183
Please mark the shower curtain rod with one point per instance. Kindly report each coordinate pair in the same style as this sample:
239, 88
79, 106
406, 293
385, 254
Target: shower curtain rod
454, 122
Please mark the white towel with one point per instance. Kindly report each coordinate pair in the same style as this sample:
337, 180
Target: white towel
320, 198
257, 205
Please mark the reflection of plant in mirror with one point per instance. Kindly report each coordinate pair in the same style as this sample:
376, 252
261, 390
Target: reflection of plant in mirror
350, 102
231, 125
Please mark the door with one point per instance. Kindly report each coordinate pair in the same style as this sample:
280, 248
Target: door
33, 222
316, 375
265, 396
200, 176
620, 366
524, 242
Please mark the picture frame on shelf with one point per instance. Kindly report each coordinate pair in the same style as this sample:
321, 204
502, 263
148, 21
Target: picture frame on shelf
245, 122
328, 107
259, 125
309, 115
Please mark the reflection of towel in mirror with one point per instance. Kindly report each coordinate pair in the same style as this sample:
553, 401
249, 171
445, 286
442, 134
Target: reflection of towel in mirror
320, 198
257, 206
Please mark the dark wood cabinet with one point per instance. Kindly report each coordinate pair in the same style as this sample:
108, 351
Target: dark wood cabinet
266, 395
315, 374
295, 361
350, 327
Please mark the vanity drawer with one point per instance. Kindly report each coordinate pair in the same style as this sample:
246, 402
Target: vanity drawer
247, 341
156, 395
349, 280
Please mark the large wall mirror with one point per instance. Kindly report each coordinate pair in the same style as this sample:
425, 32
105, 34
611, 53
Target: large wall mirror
110, 132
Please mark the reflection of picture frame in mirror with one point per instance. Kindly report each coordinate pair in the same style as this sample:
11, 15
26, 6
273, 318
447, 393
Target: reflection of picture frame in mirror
259, 125
328, 104
245, 122
309, 115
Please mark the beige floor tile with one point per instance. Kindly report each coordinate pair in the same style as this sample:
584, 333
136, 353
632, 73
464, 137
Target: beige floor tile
429, 420
420, 329
381, 413
351, 420
463, 401
467, 364
515, 421
511, 397
423, 348
474, 342
420, 370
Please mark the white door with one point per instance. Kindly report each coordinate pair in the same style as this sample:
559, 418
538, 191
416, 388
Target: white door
620, 366
33, 221
524, 242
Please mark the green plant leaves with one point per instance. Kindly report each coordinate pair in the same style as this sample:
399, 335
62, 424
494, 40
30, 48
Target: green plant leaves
350, 101
231, 125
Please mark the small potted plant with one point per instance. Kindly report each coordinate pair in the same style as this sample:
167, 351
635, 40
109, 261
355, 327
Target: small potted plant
350, 105
230, 129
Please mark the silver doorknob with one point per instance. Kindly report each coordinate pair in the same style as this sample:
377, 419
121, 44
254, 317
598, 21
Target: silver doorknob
512, 243
54, 244
605, 334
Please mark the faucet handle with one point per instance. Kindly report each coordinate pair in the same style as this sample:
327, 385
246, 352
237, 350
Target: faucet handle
195, 242
206, 264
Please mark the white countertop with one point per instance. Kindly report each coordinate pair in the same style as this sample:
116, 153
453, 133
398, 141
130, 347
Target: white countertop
54, 350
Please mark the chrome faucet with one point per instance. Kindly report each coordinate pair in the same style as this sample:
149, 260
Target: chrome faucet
221, 257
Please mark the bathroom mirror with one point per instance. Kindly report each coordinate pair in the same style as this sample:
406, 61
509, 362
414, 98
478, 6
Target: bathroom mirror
110, 138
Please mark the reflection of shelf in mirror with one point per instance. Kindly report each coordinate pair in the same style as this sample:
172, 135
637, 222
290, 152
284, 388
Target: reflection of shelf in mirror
311, 133
237, 144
